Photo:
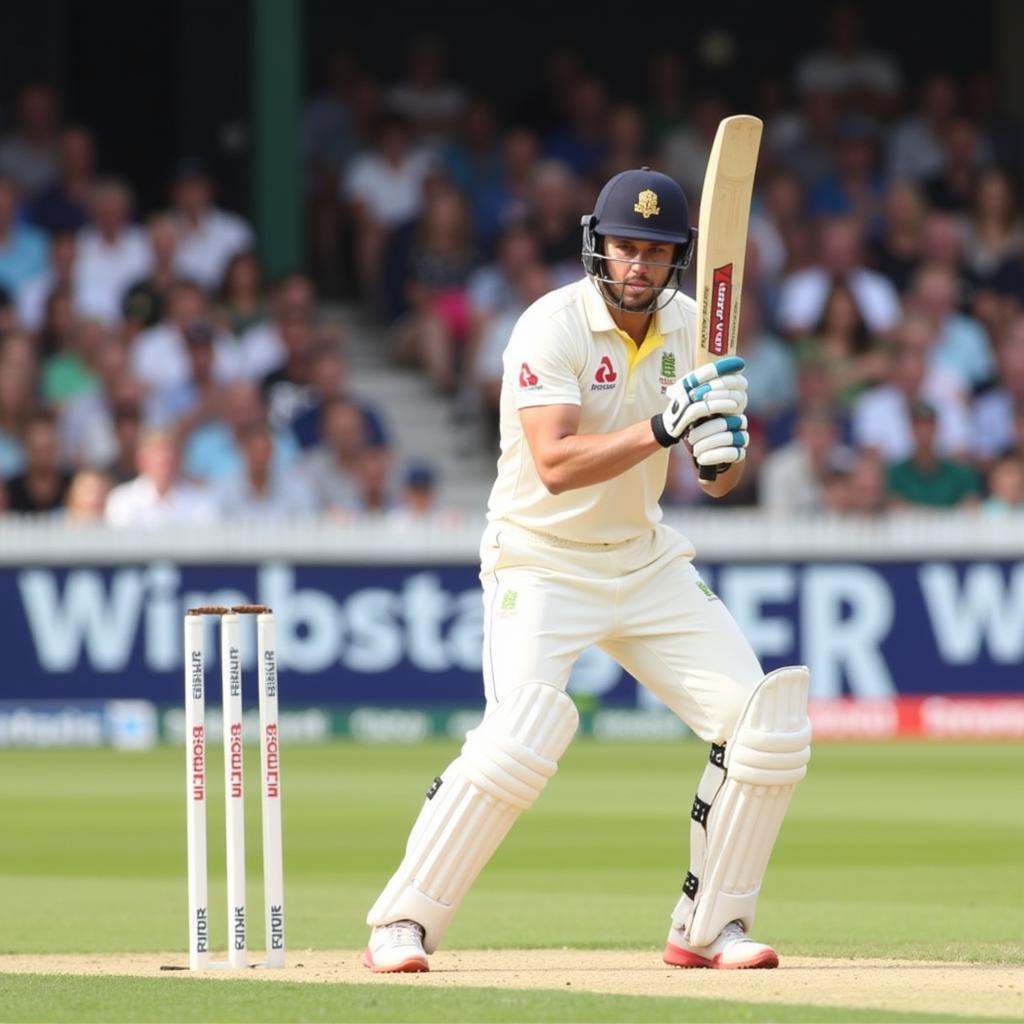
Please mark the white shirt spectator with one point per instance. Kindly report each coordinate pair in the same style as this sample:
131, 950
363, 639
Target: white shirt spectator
137, 503
85, 429
788, 482
829, 71
771, 248
443, 102
391, 195
494, 341
288, 496
915, 154
332, 487
263, 350
104, 271
992, 430
205, 250
31, 297
804, 293
489, 290
160, 358
881, 418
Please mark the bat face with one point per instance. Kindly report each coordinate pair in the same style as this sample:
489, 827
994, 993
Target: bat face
722, 235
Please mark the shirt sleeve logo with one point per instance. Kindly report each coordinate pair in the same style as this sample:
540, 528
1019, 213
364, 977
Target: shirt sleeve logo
527, 378
605, 377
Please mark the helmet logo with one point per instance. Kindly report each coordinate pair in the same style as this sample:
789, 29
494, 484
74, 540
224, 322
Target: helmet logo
647, 204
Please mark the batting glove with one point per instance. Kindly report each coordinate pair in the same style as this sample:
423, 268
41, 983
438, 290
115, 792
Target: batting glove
715, 389
719, 441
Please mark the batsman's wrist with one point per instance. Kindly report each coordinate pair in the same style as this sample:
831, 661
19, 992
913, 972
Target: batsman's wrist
661, 434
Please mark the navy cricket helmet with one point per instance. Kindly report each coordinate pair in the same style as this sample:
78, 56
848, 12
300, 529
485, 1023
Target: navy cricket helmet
644, 205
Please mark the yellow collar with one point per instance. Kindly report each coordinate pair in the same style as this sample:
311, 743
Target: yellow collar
600, 319
652, 340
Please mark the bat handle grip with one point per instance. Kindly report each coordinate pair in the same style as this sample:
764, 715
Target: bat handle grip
708, 473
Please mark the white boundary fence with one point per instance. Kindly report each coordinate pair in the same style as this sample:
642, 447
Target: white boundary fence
721, 535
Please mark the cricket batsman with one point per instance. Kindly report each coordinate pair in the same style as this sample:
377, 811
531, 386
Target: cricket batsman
598, 385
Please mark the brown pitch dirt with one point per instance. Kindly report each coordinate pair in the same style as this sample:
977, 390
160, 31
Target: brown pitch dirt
972, 990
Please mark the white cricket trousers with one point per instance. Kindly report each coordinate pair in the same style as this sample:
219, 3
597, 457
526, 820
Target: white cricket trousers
641, 601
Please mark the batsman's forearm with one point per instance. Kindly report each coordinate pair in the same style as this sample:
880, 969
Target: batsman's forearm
580, 460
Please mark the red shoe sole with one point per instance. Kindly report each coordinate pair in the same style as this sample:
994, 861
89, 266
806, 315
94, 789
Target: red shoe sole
413, 965
676, 957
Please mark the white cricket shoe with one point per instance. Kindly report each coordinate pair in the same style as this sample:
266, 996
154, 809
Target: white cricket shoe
732, 950
396, 947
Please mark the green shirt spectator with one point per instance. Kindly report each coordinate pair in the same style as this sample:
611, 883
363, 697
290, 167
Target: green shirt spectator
65, 376
944, 484
925, 479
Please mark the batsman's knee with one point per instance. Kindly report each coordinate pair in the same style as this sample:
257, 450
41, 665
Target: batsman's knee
731, 697
515, 750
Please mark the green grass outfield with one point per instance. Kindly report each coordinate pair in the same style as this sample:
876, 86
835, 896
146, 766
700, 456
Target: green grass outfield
907, 850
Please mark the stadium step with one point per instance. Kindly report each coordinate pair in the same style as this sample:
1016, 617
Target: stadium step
422, 425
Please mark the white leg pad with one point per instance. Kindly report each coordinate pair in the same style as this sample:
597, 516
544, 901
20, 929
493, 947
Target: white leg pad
736, 827
505, 763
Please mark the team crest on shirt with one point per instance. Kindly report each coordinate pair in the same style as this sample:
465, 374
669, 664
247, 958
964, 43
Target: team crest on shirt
605, 377
528, 380
668, 371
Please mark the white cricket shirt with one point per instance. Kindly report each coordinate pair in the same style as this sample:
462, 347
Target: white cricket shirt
566, 350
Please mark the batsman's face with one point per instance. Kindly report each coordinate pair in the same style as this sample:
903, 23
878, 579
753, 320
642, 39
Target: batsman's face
638, 267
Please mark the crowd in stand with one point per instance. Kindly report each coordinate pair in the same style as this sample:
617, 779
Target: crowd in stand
148, 374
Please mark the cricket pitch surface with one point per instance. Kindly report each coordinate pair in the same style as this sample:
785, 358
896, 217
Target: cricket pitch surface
971, 989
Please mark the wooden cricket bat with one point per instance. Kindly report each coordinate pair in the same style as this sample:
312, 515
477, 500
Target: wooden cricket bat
722, 240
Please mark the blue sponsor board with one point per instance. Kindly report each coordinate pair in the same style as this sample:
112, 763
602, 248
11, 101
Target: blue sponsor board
127, 724
407, 635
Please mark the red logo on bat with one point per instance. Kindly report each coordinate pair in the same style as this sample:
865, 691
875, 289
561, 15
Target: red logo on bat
606, 372
721, 310
527, 378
